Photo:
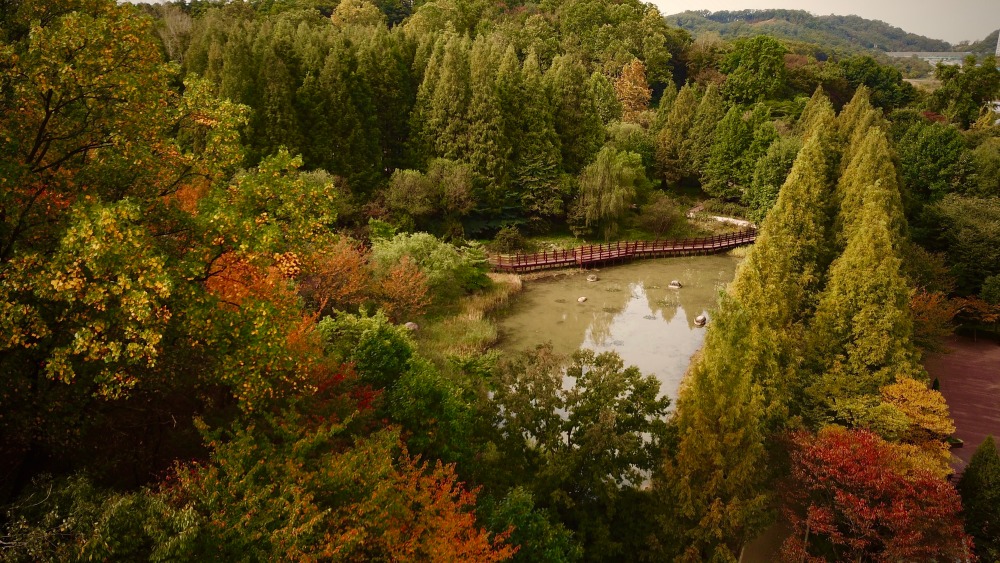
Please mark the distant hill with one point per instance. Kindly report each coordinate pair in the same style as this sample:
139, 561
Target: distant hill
846, 34
987, 46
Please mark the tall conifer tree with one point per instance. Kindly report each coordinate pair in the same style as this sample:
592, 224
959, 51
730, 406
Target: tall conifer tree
490, 146
537, 156
672, 160
716, 484
576, 120
782, 275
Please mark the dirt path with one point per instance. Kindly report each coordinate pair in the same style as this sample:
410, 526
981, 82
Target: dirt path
970, 381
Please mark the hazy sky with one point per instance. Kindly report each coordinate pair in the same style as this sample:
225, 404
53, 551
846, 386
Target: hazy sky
951, 20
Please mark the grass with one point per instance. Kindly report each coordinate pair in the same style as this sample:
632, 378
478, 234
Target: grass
468, 327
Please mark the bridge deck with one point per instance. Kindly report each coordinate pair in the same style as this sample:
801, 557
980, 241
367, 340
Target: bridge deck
620, 251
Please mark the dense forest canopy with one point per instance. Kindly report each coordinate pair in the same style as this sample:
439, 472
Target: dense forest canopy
220, 220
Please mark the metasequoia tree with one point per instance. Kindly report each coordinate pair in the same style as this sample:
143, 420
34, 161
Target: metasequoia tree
716, 483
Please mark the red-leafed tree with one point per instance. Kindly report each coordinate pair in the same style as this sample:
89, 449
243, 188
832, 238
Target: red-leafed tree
850, 499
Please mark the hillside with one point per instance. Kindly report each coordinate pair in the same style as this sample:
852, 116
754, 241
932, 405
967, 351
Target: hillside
987, 46
848, 34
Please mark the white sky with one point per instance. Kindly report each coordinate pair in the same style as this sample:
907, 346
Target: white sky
951, 20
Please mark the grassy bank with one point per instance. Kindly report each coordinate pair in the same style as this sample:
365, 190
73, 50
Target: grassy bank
469, 326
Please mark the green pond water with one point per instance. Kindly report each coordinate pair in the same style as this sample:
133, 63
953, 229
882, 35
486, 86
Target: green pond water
630, 310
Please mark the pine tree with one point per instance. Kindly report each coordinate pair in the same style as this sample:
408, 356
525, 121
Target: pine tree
716, 484
576, 119
980, 490
447, 127
673, 162
769, 175
860, 339
854, 121
420, 147
817, 106
664, 106
870, 178
741, 139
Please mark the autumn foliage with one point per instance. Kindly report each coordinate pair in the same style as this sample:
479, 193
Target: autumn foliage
847, 500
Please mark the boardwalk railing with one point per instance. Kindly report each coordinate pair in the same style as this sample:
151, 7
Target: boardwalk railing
620, 251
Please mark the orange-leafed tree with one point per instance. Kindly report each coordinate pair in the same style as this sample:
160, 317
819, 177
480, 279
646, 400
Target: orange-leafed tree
403, 291
633, 90
336, 277
933, 315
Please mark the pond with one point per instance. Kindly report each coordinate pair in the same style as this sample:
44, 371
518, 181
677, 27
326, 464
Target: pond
630, 309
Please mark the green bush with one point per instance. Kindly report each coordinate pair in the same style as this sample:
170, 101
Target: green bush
450, 270
379, 350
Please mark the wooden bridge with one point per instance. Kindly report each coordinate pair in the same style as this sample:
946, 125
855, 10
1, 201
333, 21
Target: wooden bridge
584, 256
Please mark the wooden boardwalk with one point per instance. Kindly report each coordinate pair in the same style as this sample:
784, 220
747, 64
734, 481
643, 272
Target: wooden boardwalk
584, 256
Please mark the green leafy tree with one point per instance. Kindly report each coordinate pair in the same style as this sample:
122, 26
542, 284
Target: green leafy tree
886, 86
980, 490
450, 270
932, 157
965, 89
755, 69
578, 447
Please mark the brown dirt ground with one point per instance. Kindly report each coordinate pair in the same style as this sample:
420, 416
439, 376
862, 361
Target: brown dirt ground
969, 375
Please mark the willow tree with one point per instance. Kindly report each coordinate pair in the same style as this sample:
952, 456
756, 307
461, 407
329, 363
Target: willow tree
608, 187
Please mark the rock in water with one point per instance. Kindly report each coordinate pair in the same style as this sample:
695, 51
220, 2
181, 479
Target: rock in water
674, 284
581, 300
700, 320
592, 278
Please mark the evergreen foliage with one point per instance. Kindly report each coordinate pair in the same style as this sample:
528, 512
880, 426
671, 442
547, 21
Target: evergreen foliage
717, 480
980, 490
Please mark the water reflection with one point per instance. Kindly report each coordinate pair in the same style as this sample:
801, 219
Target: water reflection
630, 310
